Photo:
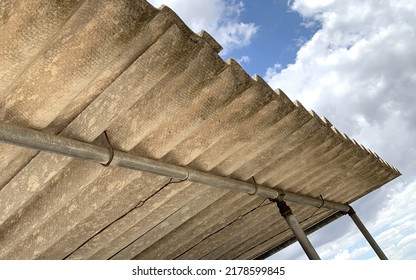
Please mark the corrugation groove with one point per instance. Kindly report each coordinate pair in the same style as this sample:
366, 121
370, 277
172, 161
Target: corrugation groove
274, 230
212, 244
107, 239
265, 242
247, 232
217, 227
78, 68
133, 208
211, 219
167, 225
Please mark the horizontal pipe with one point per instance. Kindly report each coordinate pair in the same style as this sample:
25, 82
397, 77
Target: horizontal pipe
34, 139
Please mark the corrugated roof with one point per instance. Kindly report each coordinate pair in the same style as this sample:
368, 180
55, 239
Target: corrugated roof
78, 68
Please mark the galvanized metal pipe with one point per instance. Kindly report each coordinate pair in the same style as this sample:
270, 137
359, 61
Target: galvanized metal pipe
294, 225
367, 234
307, 231
39, 140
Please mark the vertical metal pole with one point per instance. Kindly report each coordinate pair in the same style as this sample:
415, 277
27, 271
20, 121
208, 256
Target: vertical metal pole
367, 234
300, 235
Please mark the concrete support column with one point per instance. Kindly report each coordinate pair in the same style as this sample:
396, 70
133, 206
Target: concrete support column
300, 235
367, 234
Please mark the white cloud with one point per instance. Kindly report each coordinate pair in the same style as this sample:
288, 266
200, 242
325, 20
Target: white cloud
220, 18
362, 56
244, 59
272, 71
347, 255
359, 70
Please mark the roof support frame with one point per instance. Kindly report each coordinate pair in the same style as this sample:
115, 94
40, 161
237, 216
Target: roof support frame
34, 139
297, 230
367, 235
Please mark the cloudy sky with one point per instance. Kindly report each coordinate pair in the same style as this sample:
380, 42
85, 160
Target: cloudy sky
353, 62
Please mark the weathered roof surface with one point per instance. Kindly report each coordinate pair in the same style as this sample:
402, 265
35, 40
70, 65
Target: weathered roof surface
79, 68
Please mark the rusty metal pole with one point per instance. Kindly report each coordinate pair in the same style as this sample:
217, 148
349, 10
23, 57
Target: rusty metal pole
367, 234
294, 225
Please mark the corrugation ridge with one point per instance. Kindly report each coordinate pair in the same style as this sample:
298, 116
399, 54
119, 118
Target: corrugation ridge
14, 190
186, 30
100, 246
144, 38
54, 79
345, 153
236, 139
183, 256
26, 220
12, 161
233, 91
278, 150
258, 156
44, 233
209, 220
13, 152
337, 181
368, 168
165, 102
230, 117
295, 166
300, 156
138, 79
326, 171
170, 223
261, 118
260, 137
212, 245
374, 179
183, 122
267, 232
114, 206
31, 26
138, 223
84, 97
271, 241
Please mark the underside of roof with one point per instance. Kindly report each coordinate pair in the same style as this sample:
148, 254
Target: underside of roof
79, 68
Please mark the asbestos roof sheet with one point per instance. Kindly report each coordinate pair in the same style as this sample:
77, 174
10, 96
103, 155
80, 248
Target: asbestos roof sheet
78, 68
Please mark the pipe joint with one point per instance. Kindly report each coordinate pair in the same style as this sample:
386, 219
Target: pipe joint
284, 209
351, 211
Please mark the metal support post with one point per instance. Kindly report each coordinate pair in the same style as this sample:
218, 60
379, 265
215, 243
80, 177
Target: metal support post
300, 235
367, 234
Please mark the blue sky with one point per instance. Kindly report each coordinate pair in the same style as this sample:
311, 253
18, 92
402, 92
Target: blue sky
278, 36
350, 61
